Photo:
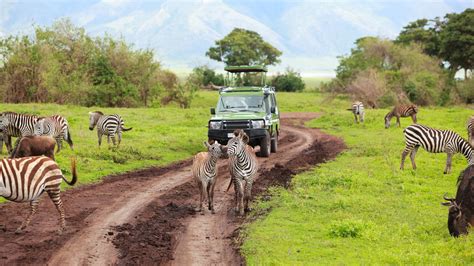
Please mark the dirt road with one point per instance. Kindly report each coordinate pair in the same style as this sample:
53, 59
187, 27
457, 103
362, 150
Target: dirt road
148, 216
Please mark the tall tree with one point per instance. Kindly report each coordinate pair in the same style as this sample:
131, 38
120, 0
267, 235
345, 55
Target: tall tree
457, 41
244, 47
424, 32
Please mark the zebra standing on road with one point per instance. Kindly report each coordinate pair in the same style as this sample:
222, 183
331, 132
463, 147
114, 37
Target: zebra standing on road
470, 131
205, 172
358, 110
56, 127
401, 111
435, 141
16, 125
25, 179
243, 167
107, 125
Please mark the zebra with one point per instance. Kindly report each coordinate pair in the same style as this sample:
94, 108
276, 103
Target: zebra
358, 110
107, 125
243, 166
401, 111
16, 125
205, 171
25, 179
56, 127
435, 141
470, 131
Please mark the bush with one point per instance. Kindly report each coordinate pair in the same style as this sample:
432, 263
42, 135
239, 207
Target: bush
465, 90
289, 81
206, 76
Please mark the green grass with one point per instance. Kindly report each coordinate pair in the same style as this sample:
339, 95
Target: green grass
360, 208
159, 137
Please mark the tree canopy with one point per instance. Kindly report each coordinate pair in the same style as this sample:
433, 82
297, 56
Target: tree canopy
244, 47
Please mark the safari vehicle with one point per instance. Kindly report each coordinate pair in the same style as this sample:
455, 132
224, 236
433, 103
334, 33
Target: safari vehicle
246, 102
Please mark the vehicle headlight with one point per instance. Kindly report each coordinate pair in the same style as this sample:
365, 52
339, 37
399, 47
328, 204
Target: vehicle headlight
215, 124
258, 124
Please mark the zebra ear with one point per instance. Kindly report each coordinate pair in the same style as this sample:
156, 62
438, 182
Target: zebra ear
206, 144
245, 138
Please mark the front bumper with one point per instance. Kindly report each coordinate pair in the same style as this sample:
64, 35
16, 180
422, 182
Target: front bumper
223, 135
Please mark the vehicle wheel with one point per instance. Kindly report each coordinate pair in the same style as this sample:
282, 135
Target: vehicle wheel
274, 144
265, 146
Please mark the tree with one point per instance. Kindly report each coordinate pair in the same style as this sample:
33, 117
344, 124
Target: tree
423, 32
244, 47
457, 41
288, 81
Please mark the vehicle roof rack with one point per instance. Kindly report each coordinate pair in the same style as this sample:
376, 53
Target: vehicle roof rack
237, 69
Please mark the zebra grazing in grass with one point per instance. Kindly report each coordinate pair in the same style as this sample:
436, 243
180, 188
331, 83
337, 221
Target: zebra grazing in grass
107, 125
16, 125
25, 179
470, 131
358, 110
243, 167
56, 127
205, 171
401, 111
435, 141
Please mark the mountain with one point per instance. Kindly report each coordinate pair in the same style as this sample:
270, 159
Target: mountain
310, 33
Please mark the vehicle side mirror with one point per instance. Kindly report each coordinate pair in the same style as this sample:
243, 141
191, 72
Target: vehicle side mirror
213, 111
273, 109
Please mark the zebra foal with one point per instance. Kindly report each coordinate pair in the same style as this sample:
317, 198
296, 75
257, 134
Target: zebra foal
205, 172
56, 127
25, 180
435, 141
358, 111
401, 111
109, 125
243, 167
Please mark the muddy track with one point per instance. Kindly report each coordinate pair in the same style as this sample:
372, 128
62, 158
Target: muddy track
148, 216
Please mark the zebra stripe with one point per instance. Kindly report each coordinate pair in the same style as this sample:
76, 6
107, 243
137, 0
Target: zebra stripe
470, 131
435, 141
56, 127
108, 125
205, 171
358, 110
401, 111
25, 179
243, 166
16, 125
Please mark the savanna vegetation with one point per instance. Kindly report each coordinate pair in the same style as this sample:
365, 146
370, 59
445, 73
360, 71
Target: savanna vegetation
419, 66
360, 208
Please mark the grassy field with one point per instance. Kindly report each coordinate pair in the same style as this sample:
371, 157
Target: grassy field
160, 136
360, 208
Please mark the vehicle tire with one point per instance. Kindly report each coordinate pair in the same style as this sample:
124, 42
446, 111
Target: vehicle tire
265, 146
274, 144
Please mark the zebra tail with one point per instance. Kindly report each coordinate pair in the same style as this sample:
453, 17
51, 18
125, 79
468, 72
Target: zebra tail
74, 173
230, 183
127, 129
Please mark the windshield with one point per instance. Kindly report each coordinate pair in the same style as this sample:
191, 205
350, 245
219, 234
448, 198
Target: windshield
236, 103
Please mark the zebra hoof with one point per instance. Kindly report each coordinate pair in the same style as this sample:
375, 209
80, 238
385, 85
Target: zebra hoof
213, 211
61, 231
18, 231
248, 209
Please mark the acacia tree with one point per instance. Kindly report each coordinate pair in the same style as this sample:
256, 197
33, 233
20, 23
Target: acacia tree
244, 47
457, 41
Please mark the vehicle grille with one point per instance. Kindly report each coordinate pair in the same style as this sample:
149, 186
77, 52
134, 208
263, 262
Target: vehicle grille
242, 124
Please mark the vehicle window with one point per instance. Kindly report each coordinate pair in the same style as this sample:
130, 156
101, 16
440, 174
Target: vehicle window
268, 104
235, 103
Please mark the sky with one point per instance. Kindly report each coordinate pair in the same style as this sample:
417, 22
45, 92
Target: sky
310, 33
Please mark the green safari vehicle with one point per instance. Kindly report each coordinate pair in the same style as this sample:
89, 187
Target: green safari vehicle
246, 102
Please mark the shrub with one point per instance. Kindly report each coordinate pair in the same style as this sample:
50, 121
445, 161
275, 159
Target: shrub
206, 76
465, 90
289, 81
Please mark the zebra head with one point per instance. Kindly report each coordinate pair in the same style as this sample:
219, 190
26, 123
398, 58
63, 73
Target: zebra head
39, 127
387, 119
93, 118
237, 144
4, 121
214, 148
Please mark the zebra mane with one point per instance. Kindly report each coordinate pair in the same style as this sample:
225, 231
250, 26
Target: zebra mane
97, 112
